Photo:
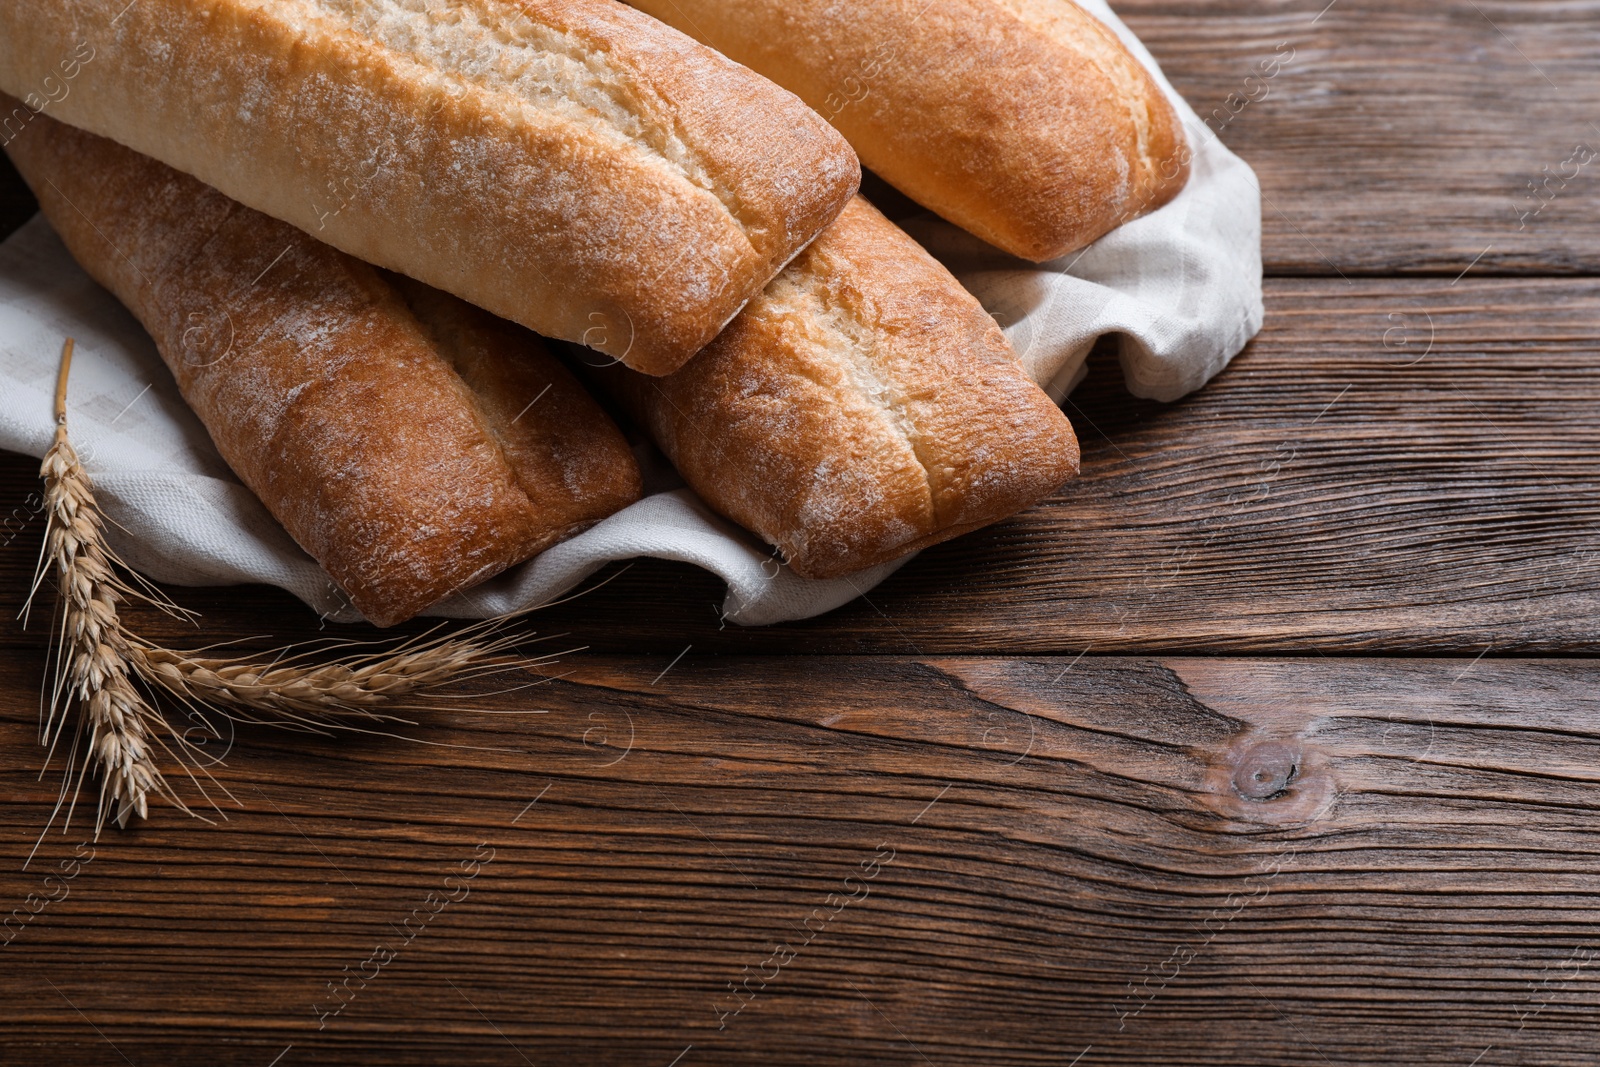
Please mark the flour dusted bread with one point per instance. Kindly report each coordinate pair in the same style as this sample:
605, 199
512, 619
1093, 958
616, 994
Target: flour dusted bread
1026, 122
571, 165
412, 444
863, 406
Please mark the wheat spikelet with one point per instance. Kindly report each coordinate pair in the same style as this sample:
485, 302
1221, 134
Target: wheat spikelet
119, 729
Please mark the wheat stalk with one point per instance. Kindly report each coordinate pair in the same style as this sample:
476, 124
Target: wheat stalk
119, 728
99, 664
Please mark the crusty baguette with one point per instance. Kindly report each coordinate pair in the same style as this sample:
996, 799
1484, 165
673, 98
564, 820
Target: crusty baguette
571, 165
863, 406
412, 451
1025, 122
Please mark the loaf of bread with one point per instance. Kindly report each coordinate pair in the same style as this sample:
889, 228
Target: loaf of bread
572, 165
412, 444
863, 406
1025, 122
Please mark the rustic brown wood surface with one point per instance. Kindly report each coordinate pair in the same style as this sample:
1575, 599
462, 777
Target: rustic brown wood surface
1022, 829
891, 860
1401, 136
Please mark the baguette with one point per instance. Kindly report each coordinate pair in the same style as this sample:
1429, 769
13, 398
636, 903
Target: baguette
863, 406
572, 165
1025, 122
412, 444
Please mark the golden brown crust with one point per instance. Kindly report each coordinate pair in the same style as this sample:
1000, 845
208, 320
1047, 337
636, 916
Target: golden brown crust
862, 406
572, 165
568, 457
1026, 122
403, 477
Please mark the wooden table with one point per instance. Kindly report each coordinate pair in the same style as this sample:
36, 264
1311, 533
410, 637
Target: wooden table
1274, 739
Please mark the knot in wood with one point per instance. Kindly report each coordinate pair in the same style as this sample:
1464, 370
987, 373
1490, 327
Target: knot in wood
1265, 770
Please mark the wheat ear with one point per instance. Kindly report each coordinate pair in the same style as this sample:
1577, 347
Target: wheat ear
116, 725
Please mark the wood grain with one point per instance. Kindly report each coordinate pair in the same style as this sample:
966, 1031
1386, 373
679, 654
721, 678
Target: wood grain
1065, 859
1392, 466
1401, 137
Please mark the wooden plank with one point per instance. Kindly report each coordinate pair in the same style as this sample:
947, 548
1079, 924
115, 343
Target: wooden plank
985, 861
1391, 136
1415, 136
1393, 465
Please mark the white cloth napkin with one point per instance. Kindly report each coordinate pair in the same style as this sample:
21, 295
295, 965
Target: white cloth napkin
1181, 287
